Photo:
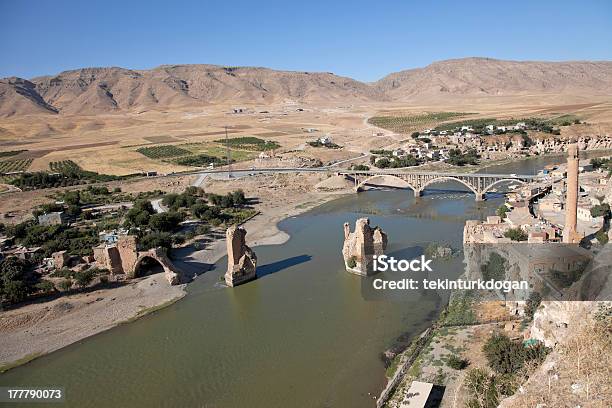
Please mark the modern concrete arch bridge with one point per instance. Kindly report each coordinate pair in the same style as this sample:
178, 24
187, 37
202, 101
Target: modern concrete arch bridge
478, 183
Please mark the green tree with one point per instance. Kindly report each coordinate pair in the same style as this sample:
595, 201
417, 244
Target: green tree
383, 163
139, 214
238, 198
14, 283
600, 210
165, 222
502, 210
84, 278
361, 167
516, 234
156, 240
194, 191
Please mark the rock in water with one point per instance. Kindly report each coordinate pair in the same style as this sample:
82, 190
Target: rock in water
241, 260
361, 246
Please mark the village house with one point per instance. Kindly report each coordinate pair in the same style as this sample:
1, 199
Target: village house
326, 140
53, 218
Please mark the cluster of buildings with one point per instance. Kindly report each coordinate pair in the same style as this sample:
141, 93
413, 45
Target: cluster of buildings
516, 145
555, 209
559, 221
424, 151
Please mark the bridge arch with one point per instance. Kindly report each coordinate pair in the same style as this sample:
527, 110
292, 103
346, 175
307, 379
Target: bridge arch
448, 178
143, 262
158, 255
506, 180
404, 182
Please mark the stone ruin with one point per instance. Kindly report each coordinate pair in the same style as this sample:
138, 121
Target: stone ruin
241, 260
124, 258
360, 247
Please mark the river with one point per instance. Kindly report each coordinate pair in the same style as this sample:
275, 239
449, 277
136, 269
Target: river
302, 335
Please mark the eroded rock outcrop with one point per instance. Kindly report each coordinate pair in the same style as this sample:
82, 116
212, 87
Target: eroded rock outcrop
241, 260
360, 246
554, 321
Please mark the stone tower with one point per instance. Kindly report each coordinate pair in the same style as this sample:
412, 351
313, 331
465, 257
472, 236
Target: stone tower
360, 246
241, 260
570, 231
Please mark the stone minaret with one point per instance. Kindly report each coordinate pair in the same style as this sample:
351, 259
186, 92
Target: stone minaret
570, 232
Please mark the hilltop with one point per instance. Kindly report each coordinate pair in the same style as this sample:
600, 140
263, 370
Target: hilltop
92, 91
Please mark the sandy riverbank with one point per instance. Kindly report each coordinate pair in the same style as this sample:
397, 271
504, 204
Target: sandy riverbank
40, 328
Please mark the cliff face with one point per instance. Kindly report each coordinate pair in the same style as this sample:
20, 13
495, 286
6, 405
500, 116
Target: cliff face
555, 321
360, 246
241, 260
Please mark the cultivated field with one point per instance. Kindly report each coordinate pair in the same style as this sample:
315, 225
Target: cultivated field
128, 143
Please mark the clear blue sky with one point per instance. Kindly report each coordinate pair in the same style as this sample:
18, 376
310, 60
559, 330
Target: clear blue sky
361, 39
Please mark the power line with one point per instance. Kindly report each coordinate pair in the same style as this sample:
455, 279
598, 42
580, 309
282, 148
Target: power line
228, 154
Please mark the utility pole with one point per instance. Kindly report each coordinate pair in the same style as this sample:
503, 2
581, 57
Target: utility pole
229, 155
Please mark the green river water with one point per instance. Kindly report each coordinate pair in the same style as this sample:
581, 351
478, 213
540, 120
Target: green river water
301, 335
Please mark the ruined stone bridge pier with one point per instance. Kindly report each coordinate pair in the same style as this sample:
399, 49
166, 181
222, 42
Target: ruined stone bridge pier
477, 183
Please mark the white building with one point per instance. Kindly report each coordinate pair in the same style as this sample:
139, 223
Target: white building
325, 140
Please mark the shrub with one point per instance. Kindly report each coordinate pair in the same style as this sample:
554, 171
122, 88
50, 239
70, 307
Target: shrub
351, 262
460, 310
45, 286
482, 392
504, 355
600, 210
602, 237
495, 268
65, 285
516, 234
84, 278
532, 304
457, 363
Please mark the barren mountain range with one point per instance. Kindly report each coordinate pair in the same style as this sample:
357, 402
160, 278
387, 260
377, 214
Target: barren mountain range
90, 91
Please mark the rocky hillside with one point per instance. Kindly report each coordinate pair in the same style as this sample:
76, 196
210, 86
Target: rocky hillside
488, 77
102, 90
19, 96
93, 91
